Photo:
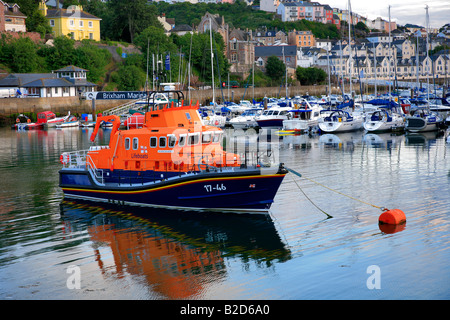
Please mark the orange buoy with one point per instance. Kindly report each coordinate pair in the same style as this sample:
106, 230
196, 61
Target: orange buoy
394, 216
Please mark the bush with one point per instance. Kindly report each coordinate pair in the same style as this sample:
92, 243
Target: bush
310, 76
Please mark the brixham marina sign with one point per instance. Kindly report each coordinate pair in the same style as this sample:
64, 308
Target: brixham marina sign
116, 95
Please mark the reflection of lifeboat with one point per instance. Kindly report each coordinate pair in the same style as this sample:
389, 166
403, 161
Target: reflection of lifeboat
168, 249
172, 161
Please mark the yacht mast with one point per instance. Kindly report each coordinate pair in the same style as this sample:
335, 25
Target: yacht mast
212, 62
350, 60
428, 58
390, 53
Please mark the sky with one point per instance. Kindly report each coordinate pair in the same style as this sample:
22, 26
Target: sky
402, 11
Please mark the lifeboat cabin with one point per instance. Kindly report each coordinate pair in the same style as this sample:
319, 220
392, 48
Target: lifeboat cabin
173, 160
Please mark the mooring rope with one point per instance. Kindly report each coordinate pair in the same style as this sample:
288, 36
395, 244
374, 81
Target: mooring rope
328, 216
324, 186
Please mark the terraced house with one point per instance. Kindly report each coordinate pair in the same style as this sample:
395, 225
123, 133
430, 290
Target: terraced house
11, 19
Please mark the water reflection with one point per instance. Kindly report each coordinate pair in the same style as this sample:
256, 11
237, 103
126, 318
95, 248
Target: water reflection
179, 254
424, 138
383, 140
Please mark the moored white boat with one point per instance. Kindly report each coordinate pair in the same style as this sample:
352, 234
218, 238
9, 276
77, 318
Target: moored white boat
273, 118
51, 123
68, 124
381, 121
421, 121
389, 117
305, 118
246, 119
339, 121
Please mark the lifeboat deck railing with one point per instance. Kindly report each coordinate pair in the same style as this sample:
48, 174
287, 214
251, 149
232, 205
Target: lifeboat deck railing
200, 164
81, 160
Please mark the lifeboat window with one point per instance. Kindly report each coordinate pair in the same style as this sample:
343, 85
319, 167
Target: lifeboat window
162, 142
172, 140
182, 140
217, 136
153, 142
135, 143
127, 143
206, 137
193, 139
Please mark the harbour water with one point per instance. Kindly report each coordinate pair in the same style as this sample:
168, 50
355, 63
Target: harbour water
51, 248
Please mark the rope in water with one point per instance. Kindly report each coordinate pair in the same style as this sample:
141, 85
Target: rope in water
324, 186
328, 216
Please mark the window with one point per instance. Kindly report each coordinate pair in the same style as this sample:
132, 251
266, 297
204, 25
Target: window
172, 140
90, 24
182, 140
127, 143
52, 23
217, 136
91, 35
206, 137
153, 142
81, 23
193, 139
162, 142
71, 23
135, 143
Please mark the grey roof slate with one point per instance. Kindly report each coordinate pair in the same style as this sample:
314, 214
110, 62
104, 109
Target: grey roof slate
267, 51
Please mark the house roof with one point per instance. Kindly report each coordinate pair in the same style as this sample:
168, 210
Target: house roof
57, 13
43, 83
181, 27
266, 51
71, 68
44, 79
19, 79
10, 12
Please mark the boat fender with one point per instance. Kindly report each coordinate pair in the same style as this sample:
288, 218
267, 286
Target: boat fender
394, 217
28, 120
217, 122
17, 120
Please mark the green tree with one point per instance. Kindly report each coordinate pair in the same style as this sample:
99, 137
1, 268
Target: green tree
275, 68
61, 54
310, 76
128, 18
24, 58
129, 78
92, 58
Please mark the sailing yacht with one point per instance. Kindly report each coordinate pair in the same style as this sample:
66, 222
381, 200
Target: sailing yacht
333, 121
389, 117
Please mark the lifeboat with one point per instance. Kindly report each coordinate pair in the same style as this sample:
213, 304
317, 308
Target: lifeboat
172, 161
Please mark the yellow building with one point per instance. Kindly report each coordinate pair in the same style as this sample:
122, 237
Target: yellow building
73, 22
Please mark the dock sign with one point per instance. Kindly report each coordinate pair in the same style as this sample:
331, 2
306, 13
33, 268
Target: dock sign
116, 95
